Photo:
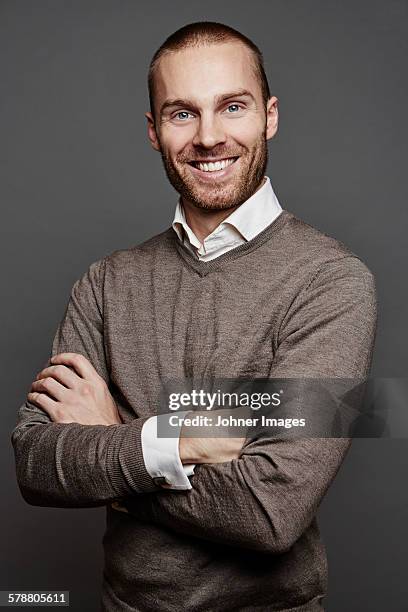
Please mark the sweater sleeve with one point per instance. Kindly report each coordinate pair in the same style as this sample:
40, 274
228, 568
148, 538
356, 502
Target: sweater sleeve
265, 499
73, 465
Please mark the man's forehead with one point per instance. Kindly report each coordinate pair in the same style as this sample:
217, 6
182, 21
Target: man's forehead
205, 71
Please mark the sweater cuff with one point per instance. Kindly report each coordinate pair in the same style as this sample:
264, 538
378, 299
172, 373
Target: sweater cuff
126, 467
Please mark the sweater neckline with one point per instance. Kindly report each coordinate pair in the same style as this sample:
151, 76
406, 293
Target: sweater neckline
205, 267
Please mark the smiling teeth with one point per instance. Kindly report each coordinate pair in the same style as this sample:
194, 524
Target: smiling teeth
213, 166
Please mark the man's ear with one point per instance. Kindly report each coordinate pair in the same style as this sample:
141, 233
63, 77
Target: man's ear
271, 117
151, 131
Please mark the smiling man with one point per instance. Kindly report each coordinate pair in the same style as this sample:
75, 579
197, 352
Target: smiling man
236, 288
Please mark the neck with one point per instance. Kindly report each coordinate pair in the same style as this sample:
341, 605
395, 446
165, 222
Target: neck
203, 221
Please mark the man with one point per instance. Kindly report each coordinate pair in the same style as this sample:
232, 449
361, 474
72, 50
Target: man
236, 288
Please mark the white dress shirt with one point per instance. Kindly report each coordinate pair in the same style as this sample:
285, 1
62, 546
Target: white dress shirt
161, 455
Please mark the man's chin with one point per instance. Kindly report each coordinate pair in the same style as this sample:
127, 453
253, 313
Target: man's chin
221, 200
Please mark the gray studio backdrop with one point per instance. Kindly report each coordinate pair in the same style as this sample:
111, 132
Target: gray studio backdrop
79, 180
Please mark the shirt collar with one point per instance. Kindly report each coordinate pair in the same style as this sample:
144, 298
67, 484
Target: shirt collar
249, 219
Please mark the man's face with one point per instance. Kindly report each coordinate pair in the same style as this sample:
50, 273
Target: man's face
211, 124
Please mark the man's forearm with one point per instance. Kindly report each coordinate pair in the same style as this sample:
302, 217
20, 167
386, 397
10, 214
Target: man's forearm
72, 465
262, 501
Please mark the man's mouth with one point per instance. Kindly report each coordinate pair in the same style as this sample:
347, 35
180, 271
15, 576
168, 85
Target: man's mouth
213, 166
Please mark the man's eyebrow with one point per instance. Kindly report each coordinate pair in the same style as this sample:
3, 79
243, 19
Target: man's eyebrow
180, 102
240, 93
176, 102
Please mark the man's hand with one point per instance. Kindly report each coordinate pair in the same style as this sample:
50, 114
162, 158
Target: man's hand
71, 391
207, 449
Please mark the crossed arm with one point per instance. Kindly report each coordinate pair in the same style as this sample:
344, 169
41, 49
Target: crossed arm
72, 464
76, 445
264, 499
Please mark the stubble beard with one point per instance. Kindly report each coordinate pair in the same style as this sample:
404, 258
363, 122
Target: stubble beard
219, 196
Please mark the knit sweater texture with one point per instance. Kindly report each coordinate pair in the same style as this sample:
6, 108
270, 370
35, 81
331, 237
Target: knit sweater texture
292, 302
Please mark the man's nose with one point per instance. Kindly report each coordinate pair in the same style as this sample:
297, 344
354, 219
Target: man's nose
209, 132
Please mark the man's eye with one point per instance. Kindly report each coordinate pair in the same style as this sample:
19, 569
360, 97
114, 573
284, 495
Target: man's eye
182, 115
233, 108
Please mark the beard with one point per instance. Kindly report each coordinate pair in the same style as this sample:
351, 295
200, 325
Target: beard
224, 194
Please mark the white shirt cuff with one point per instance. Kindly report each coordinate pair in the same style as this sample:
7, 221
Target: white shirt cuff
162, 457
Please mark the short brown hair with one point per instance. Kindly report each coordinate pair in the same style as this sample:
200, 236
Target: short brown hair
207, 33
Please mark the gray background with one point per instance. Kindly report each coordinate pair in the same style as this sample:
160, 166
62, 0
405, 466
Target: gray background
78, 180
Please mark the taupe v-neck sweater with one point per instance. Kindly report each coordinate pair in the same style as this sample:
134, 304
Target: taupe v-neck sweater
292, 302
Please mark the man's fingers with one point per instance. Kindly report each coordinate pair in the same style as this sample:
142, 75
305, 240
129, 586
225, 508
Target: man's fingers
81, 365
50, 386
43, 401
62, 374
